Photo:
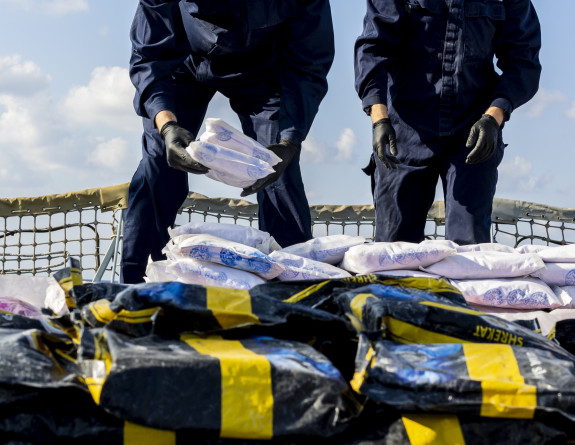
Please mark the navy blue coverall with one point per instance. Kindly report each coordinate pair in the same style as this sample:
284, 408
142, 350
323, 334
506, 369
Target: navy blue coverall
270, 58
431, 62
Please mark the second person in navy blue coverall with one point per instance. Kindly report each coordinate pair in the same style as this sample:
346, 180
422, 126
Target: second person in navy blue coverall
425, 74
270, 58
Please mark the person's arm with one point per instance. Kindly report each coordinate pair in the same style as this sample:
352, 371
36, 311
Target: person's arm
376, 50
306, 54
517, 51
159, 45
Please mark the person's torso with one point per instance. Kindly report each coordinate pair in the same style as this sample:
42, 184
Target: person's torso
221, 27
446, 62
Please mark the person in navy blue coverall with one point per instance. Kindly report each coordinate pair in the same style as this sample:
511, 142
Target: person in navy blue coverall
270, 58
425, 74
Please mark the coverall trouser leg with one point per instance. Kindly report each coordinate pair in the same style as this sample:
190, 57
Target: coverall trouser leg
403, 197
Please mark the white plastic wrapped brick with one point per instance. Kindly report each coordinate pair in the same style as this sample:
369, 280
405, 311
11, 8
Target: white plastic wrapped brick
558, 274
530, 248
229, 166
485, 247
486, 264
223, 134
249, 236
383, 256
558, 254
514, 293
232, 157
300, 268
565, 293
227, 253
41, 292
191, 271
327, 249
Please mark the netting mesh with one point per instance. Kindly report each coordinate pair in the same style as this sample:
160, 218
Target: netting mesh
37, 235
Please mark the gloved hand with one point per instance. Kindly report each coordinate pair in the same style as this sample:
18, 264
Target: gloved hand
383, 134
483, 137
286, 149
177, 139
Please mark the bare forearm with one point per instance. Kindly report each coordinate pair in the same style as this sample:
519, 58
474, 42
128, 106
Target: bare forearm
378, 112
497, 113
164, 116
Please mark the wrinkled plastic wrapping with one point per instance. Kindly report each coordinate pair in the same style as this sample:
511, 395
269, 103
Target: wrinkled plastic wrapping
256, 387
177, 363
409, 316
488, 380
227, 253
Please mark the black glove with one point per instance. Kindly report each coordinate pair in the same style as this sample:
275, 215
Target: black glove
177, 139
383, 134
286, 149
483, 138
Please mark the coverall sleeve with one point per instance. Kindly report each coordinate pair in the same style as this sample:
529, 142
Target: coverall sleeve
517, 51
159, 45
377, 49
307, 55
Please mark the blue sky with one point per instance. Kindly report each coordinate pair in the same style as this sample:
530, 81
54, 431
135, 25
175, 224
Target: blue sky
67, 122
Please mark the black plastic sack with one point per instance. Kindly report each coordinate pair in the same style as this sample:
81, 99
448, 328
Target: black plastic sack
173, 307
565, 334
88, 292
487, 380
69, 277
382, 427
318, 293
255, 388
410, 316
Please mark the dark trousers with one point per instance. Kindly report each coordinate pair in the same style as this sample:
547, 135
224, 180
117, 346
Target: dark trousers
157, 191
403, 197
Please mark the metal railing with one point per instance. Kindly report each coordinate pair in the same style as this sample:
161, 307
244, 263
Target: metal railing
38, 234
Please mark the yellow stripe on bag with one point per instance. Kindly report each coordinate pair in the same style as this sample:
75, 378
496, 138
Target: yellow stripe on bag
101, 311
452, 308
247, 399
231, 307
100, 368
141, 316
358, 303
407, 333
359, 377
306, 292
433, 429
143, 435
505, 393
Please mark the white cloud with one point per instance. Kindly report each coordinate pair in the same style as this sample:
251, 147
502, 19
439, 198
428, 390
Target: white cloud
346, 145
17, 128
21, 77
542, 100
50, 7
571, 111
517, 175
107, 99
53, 145
313, 150
110, 154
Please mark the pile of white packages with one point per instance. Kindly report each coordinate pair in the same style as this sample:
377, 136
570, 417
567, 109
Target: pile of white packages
232, 157
517, 284
524, 283
241, 257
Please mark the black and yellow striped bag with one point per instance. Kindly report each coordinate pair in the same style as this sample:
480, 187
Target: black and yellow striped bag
487, 380
254, 388
391, 312
389, 428
173, 307
318, 293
